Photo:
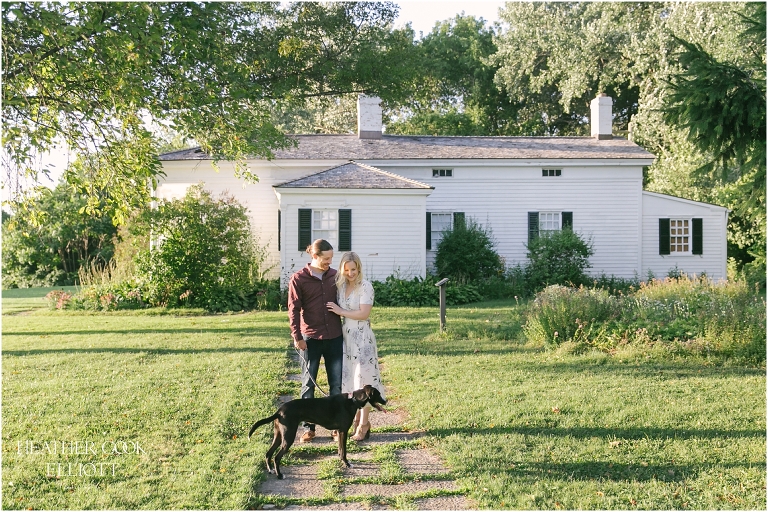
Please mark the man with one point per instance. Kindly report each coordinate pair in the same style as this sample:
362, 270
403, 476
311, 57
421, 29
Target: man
316, 331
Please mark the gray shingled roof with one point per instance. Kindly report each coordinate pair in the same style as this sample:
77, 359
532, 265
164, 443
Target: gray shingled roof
354, 175
418, 147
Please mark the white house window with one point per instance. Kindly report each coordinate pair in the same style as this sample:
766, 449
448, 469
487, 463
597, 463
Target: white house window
325, 225
440, 173
679, 236
441, 222
551, 172
549, 221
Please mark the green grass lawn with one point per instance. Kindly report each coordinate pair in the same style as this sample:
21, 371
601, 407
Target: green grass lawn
20, 300
161, 404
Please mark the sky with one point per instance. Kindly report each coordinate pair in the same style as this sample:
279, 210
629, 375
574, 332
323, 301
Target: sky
423, 14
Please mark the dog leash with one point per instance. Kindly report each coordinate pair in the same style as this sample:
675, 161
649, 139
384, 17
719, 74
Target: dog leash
306, 367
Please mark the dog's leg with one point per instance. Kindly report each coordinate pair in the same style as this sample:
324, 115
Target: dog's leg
288, 433
343, 448
276, 441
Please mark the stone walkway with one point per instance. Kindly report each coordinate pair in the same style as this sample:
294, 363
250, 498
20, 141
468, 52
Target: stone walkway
391, 470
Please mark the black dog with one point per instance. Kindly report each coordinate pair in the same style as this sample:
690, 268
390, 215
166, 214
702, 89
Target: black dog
336, 412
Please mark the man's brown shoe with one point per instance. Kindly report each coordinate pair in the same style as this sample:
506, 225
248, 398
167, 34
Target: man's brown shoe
307, 436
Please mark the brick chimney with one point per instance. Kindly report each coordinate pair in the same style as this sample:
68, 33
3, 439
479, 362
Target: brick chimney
602, 117
369, 121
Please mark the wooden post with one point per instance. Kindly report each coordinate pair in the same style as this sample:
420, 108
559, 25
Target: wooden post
441, 285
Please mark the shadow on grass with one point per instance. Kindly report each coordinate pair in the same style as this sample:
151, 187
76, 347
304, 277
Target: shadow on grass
662, 370
533, 473
244, 331
600, 432
140, 350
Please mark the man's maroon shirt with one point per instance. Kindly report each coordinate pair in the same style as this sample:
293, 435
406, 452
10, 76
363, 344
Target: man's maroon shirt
307, 310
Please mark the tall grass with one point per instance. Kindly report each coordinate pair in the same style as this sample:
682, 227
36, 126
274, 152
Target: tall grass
724, 319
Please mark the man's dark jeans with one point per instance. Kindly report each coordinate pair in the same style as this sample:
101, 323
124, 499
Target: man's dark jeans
332, 351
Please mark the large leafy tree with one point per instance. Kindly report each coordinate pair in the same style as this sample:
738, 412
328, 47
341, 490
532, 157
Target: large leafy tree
50, 252
454, 91
560, 55
721, 104
90, 74
557, 56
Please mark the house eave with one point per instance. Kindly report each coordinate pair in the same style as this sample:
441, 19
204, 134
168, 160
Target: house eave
360, 191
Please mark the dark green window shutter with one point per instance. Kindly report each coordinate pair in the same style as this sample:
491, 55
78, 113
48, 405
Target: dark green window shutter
533, 226
698, 236
458, 220
567, 220
663, 236
305, 228
429, 231
279, 231
345, 230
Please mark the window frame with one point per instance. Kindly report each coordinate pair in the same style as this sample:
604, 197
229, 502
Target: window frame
559, 227
446, 173
434, 243
334, 241
688, 237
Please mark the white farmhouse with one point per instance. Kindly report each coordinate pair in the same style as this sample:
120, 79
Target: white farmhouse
390, 198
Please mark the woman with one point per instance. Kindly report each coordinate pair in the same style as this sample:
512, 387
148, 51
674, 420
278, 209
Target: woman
361, 359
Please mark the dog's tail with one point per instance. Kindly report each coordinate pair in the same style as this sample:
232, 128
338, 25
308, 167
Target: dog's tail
262, 422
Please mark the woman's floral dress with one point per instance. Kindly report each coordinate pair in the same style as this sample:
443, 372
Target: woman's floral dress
361, 359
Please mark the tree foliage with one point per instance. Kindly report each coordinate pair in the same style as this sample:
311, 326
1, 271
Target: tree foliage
89, 74
721, 104
453, 91
49, 251
204, 250
559, 55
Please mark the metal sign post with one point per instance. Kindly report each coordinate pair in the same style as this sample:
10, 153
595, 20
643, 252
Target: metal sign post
441, 284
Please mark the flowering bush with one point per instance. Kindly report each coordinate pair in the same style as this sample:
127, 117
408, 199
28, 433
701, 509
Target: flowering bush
58, 299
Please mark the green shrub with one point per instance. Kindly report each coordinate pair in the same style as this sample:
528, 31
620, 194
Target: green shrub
615, 285
263, 295
418, 292
47, 240
724, 318
558, 257
467, 254
506, 287
563, 314
205, 255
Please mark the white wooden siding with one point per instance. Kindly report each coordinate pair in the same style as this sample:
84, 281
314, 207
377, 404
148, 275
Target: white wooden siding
388, 229
259, 198
713, 259
605, 201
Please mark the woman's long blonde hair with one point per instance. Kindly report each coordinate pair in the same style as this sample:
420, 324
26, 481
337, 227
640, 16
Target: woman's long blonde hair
347, 258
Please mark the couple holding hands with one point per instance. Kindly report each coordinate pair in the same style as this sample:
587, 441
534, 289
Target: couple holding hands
318, 296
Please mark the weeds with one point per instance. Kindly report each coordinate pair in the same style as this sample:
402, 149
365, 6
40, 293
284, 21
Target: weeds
682, 313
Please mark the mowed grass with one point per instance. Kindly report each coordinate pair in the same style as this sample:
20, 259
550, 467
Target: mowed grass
28, 299
520, 427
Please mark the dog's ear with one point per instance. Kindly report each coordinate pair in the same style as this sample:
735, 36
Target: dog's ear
361, 395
